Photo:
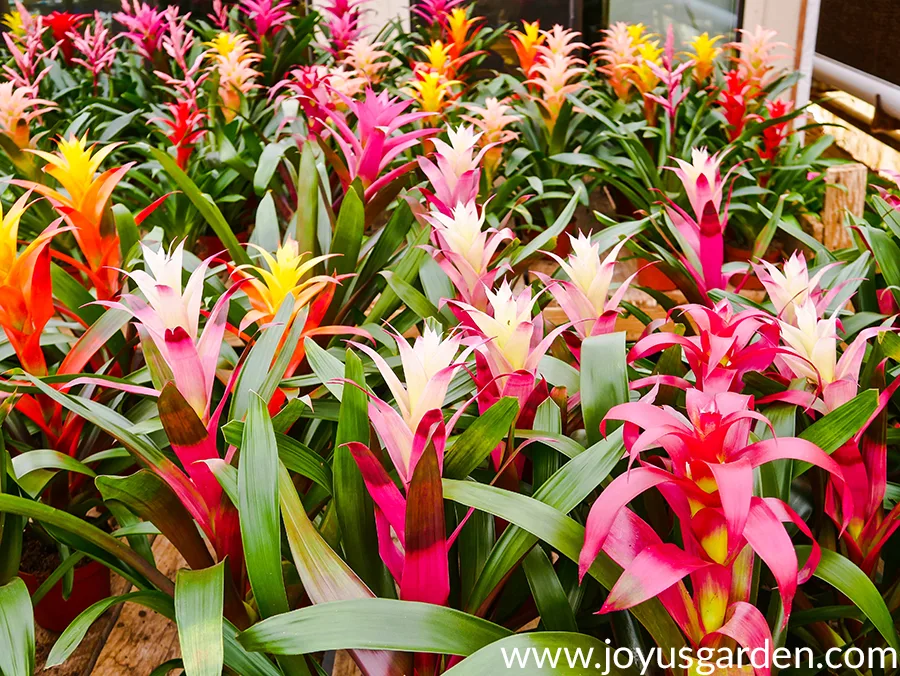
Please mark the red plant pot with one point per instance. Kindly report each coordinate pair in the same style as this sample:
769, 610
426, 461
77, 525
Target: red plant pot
734, 254
653, 278
54, 613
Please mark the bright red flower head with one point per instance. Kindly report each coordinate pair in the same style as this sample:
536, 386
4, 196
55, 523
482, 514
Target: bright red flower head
60, 25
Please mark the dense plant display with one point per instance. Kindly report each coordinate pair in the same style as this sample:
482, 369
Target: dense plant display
340, 315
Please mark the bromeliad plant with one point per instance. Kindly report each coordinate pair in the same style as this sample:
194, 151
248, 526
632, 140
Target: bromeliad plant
340, 335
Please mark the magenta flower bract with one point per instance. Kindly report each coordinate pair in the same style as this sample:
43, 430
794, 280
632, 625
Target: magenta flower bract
145, 25
97, 48
705, 475
369, 149
28, 51
342, 24
704, 229
265, 17
727, 346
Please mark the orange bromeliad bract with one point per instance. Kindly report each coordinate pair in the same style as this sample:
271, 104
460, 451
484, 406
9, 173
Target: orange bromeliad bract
526, 43
26, 297
85, 206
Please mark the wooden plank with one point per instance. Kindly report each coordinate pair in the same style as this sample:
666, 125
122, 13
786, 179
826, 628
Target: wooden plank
142, 639
846, 192
83, 659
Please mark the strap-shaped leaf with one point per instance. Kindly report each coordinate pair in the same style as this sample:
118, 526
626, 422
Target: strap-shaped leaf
831, 431
373, 624
203, 204
87, 533
199, 596
566, 489
150, 498
541, 653
565, 535
355, 510
481, 437
549, 595
260, 518
295, 456
16, 630
346, 243
326, 577
604, 379
307, 200
35, 468
847, 578
259, 362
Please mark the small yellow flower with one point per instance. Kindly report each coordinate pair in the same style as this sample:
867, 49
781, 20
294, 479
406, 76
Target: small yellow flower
9, 236
636, 32
458, 27
437, 57
431, 91
283, 276
225, 43
15, 23
75, 166
704, 55
233, 62
643, 78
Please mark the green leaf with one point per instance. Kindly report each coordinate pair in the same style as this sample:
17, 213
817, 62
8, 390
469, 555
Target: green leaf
406, 269
355, 509
566, 536
325, 576
549, 595
887, 253
85, 531
831, 431
268, 163
326, 366
559, 374
347, 241
566, 489
266, 233
258, 365
847, 578
764, 238
775, 476
373, 624
168, 667
120, 428
482, 436
74, 634
548, 235
414, 299
59, 572
545, 459
604, 379
203, 204
152, 500
35, 468
389, 240
199, 596
127, 229
307, 200
16, 630
260, 518
295, 456
501, 657
73, 295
